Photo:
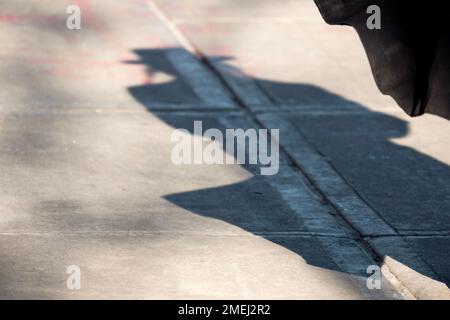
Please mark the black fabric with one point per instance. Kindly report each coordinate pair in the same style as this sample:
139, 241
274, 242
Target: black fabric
337, 11
409, 55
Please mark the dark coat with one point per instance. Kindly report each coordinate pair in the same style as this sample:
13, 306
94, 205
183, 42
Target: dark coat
409, 55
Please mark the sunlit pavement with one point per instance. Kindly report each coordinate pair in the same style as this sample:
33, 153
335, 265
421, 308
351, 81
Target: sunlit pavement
87, 178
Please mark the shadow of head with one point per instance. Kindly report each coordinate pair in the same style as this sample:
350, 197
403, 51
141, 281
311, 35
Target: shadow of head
170, 89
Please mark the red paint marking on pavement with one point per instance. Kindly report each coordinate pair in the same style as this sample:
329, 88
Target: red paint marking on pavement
10, 18
219, 50
98, 25
146, 79
101, 28
27, 18
77, 62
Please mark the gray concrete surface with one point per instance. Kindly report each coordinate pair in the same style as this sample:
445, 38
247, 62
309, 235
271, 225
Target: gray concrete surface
387, 174
86, 118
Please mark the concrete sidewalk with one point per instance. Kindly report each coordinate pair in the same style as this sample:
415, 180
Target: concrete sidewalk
385, 173
87, 177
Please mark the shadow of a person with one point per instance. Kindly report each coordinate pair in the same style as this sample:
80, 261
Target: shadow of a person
410, 190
